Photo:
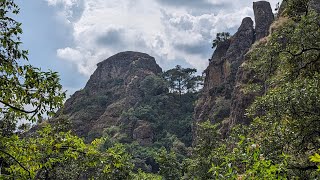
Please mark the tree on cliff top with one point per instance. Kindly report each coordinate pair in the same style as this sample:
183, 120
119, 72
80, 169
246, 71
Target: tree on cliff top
182, 80
221, 37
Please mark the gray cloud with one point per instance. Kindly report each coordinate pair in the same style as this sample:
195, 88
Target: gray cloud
77, 11
201, 48
195, 6
118, 39
113, 37
168, 64
72, 10
173, 31
188, 3
183, 23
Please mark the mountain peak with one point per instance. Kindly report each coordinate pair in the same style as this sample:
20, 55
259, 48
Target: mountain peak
121, 65
125, 57
111, 90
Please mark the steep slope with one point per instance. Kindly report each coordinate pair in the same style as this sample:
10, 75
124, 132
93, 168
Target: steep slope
220, 96
111, 90
242, 100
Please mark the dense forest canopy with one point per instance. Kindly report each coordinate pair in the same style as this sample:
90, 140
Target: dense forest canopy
281, 142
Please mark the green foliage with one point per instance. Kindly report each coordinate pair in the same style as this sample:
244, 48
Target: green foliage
287, 115
153, 85
170, 168
22, 85
220, 37
236, 157
142, 157
208, 139
170, 114
296, 8
50, 155
222, 109
146, 176
240, 157
316, 159
182, 80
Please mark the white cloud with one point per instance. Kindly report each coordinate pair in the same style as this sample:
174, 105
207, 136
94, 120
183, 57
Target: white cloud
83, 59
67, 9
64, 2
166, 32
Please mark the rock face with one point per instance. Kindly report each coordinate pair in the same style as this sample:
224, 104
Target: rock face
111, 90
240, 100
222, 99
263, 18
214, 104
143, 133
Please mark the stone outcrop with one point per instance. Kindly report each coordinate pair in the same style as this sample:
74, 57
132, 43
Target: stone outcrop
221, 72
263, 18
111, 90
143, 133
241, 100
222, 99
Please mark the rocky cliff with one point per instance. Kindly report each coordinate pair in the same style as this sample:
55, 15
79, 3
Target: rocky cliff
264, 17
221, 99
111, 90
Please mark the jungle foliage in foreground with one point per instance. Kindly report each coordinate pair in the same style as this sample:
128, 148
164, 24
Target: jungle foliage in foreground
281, 143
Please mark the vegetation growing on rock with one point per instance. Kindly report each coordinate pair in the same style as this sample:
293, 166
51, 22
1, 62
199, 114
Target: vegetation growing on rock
257, 116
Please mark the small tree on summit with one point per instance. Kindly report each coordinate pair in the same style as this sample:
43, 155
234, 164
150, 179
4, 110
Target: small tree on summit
182, 80
221, 37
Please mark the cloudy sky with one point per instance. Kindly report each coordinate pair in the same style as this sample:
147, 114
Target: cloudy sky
72, 36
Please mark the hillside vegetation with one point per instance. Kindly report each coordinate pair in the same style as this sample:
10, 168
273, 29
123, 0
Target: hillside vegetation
255, 116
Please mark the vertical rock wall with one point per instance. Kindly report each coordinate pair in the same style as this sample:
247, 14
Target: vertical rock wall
263, 18
221, 72
221, 99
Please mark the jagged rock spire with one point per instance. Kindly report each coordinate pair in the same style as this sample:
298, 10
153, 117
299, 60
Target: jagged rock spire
263, 18
222, 75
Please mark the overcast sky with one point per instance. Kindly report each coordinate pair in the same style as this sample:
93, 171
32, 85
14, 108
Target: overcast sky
72, 36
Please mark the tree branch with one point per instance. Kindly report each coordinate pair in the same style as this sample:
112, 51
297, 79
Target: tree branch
302, 51
305, 168
4, 152
18, 109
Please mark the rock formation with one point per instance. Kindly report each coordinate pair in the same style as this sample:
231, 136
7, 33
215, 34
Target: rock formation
263, 18
221, 96
240, 100
111, 90
221, 72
